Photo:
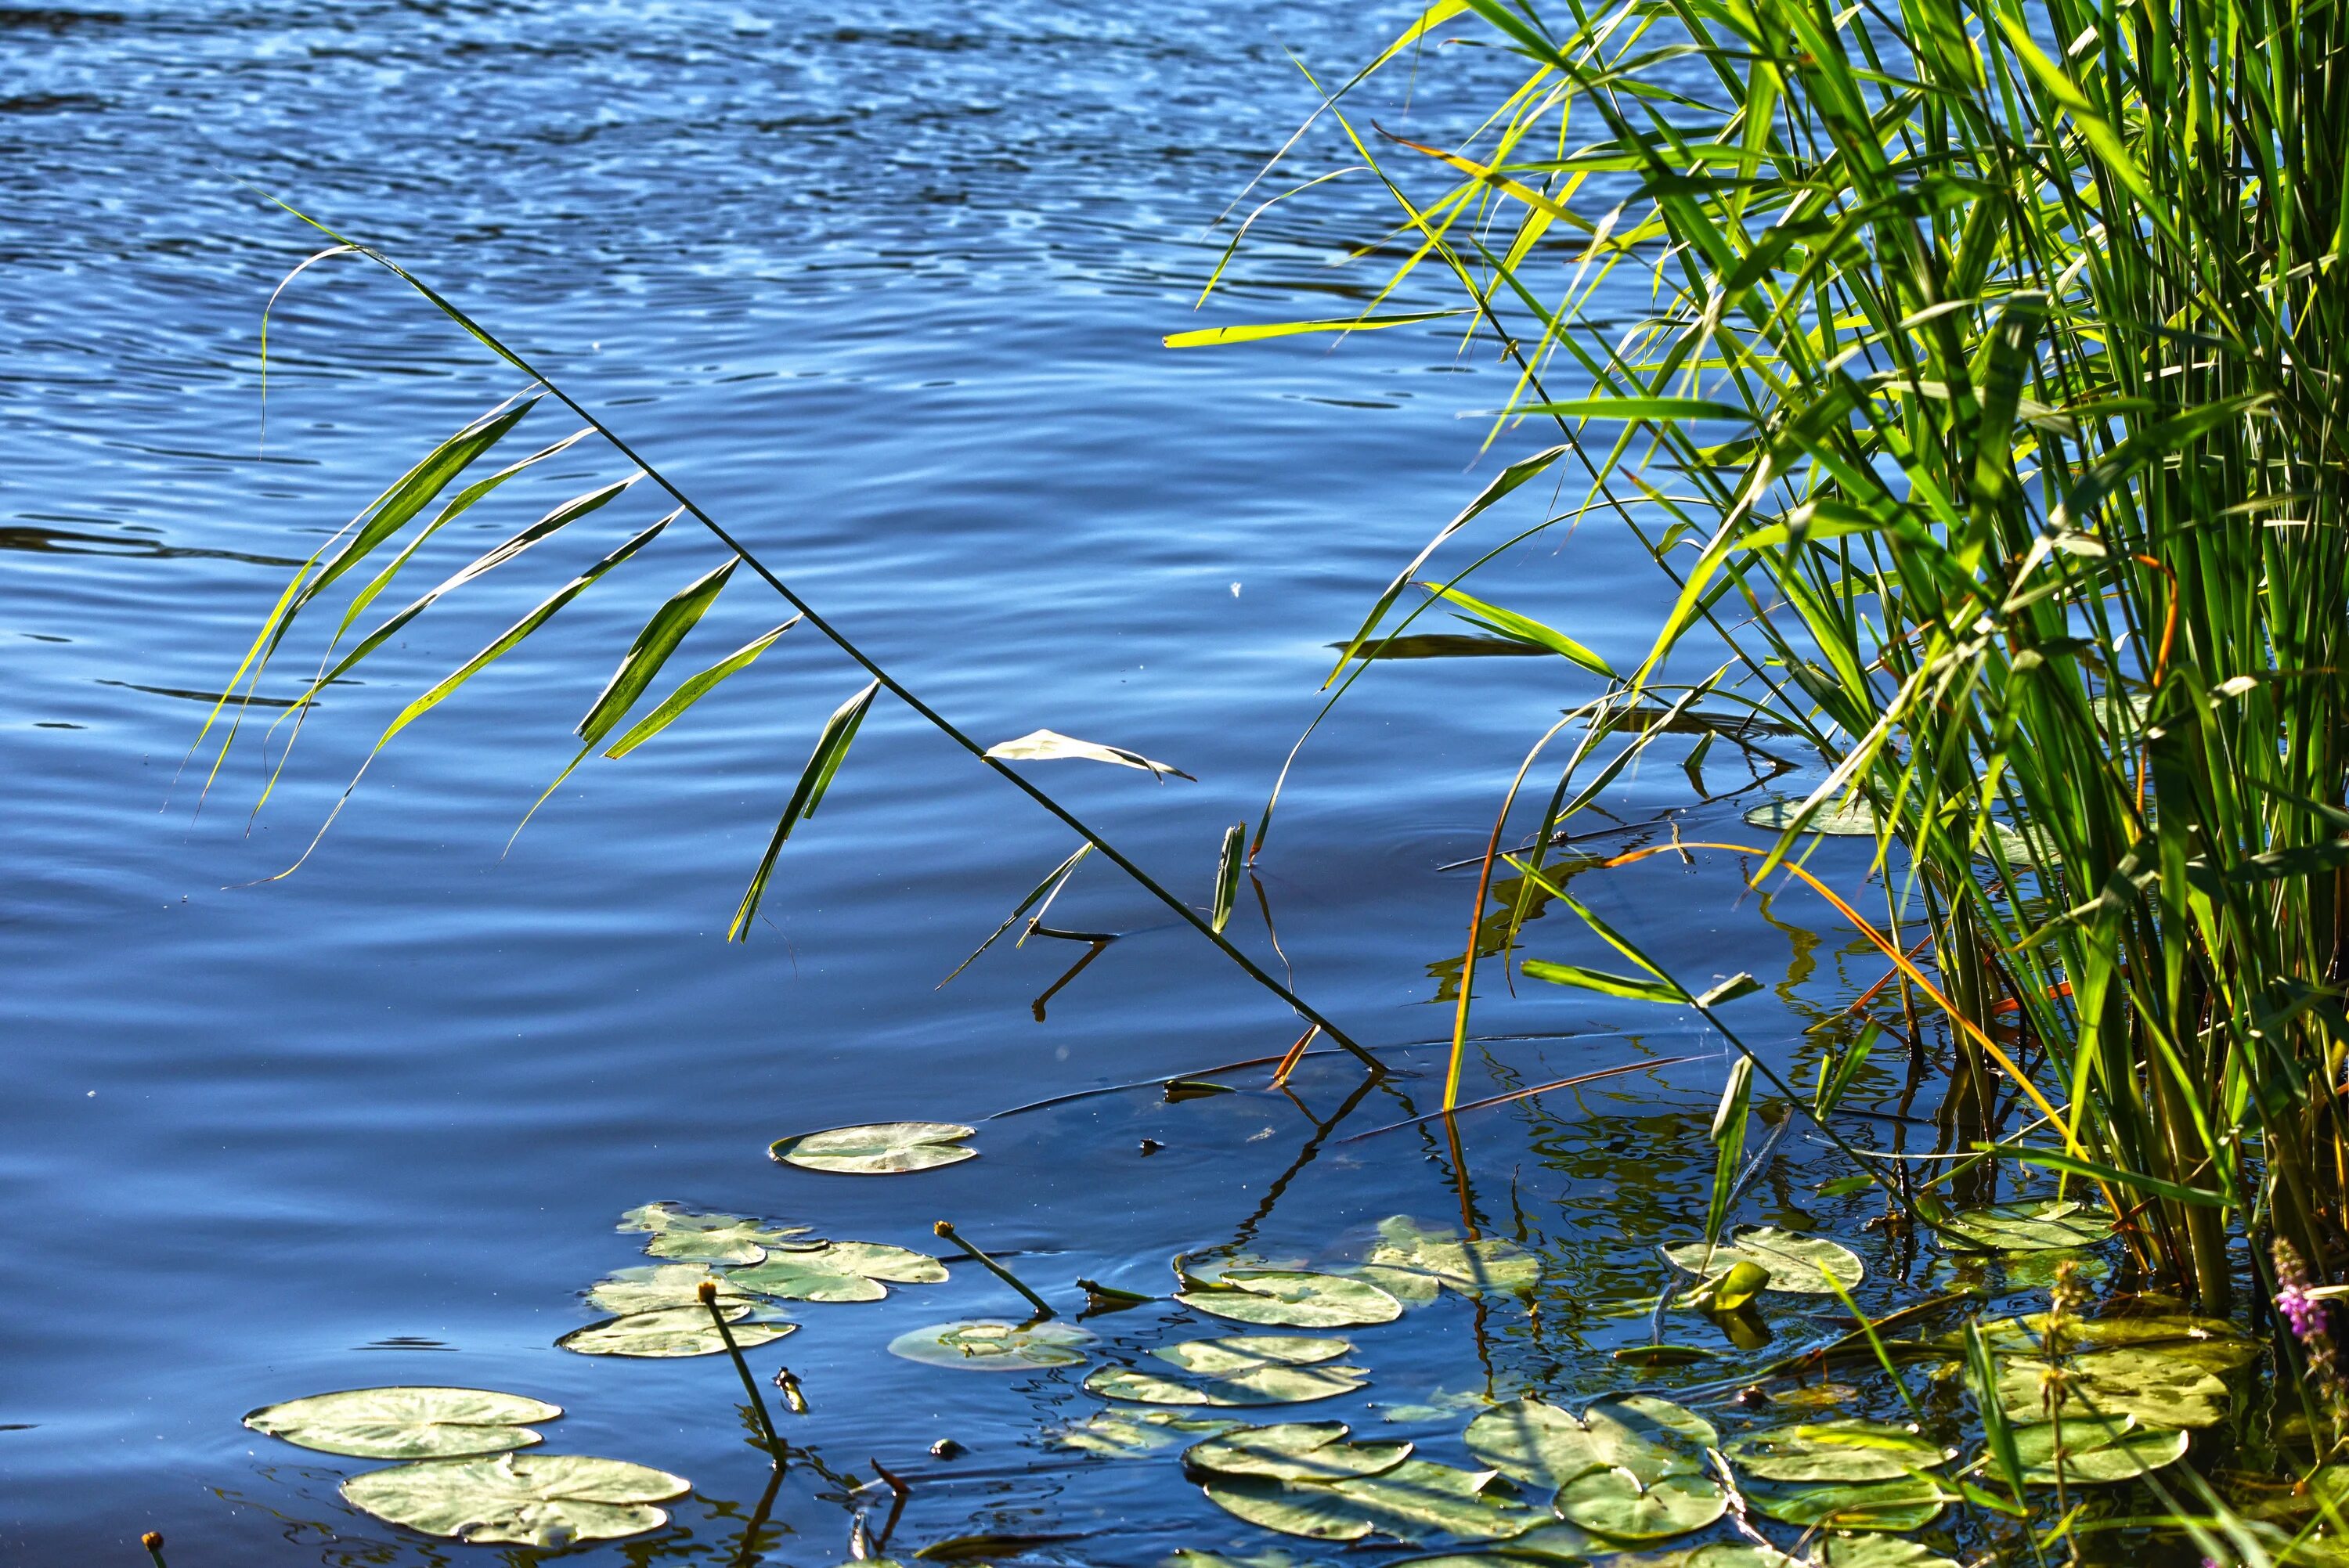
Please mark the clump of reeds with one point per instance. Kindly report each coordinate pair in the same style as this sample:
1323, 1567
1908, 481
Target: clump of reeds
1978, 377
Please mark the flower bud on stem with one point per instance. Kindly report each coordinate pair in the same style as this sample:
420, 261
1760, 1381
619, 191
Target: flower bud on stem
708, 1292
1044, 1307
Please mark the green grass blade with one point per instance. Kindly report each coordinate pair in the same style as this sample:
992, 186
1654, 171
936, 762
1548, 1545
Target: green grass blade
815, 778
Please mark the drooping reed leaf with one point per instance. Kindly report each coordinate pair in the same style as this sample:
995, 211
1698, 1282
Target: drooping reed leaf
693, 689
1227, 874
831, 748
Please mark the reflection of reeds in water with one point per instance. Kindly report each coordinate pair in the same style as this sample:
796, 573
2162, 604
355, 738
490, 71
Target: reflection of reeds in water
1978, 379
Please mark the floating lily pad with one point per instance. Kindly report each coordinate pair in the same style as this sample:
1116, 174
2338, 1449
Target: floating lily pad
1247, 1352
406, 1423
1130, 1434
1715, 1555
1412, 1501
801, 1276
1803, 1265
1436, 1257
1545, 1446
681, 1234
656, 1286
1874, 1550
1836, 1451
1910, 1504
2095, 1452
1852, 818
2044, 1225
674, 1331
882, 1149
988, 1344
1615, 1502
2211, 1343
1266, 1384
2157, 1388
1293, 1298
1293, 1450
528, 1499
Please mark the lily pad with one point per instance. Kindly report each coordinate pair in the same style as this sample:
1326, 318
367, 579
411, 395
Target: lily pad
681, 1234
2044, 1225
1852, 818
1615, 1502
406, 1423
1293, 1450
1131, 1434
1266, 1384
1247, 1352
2157, 1388
528, 1499
674, 1331
2211, 1343
1293, 1298
1910, 1504
989, 1344
1803, 1265
882, 1148
1436, 1257
657, 1286
802, 1276
1874, 1551
1412, 1501
2094, 1453
1836, 1451
1543, 1444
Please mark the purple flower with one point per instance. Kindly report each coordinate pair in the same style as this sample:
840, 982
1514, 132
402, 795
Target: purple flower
2305, 1315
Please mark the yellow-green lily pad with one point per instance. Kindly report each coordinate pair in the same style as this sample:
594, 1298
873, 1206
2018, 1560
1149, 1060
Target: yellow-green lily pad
1539, 1443
673, 1331
1131, 1434
2157, 1388
1267, 1384
529, 1499
1293, 1450
1910, 1504
990, 1344
2094, 1452
1436, 1258
657, 1286
1615, 1503
406, 1423
1803, 1265
879, 1148
1872, 1550
1238, 1353
1412, 1501
1851, 1450
1292, 1299
2033, 1225
680, 1233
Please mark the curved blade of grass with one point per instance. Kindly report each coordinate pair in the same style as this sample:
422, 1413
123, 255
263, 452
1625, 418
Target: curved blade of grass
1209, 336
1227, 873
651, 651
831, 748
1522, 628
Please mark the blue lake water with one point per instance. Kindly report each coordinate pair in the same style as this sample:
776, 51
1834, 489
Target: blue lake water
884, 292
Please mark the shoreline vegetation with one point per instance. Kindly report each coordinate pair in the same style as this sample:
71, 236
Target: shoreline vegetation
1984, 409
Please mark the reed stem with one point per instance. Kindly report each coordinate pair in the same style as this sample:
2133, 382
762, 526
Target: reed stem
1043, 1308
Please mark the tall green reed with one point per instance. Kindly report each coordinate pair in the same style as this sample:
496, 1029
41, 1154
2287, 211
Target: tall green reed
1976, 375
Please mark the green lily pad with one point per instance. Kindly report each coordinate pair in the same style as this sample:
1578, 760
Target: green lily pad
2211, 1343
680, 1233
1293, 1450
673, 1331
1293, 1298
406, 1423
1553, 1545
1803, 1265
1434, 1257
1615, 1503
527, 1500
1131, 1434
1717, 1554
1542, 1445
1852, 818
989, 1344
2095, 1452
1836, 1451
2159, 1389
2039, 1225
1240, 1353
657, 1286
1412, 1501
1266, 1384
882, 1148
1728, 1291
802, 1276
1911, 1503
1874, 1550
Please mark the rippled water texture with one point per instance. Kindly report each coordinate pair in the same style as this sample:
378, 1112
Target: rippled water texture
883, 289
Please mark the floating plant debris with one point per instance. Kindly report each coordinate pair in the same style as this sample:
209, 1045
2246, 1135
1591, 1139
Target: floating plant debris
407, 1423
882, 1148
527, 1500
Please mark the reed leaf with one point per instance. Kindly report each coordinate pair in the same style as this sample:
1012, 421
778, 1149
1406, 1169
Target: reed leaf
831, 748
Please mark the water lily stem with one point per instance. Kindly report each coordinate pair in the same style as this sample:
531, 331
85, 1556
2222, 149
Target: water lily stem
1043, 1308
153, 1542
709, 1294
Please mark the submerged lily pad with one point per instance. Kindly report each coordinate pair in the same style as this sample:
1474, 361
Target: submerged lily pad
673, 1331
1293, 1450
989, 1344
406, 1423
2157, 1388
1266, 1384
1130, 1434
1803, 1265
1412, 1501
882, 1148
528, 1499
1617, 1503
1543, 1444
2094, 1452
1418, 1260
1248, 1352
681, 1234
2040, 1226
1293, 1298
1836, 1450
1910, 1504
